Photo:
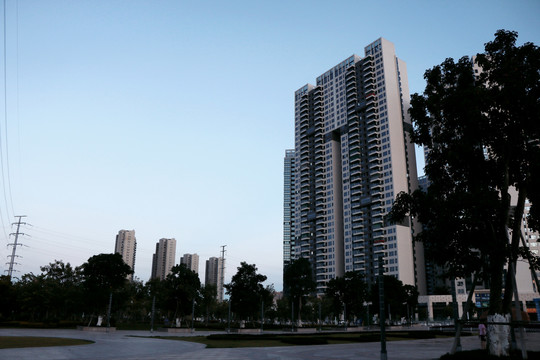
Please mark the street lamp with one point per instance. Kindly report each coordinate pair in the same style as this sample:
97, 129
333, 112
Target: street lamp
366, 304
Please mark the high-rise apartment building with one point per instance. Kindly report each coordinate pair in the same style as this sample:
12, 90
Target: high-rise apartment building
214, 275
164, 258
126, 245
191, 261
353, 156
288, 208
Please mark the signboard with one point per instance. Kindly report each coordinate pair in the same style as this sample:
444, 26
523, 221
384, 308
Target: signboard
482, 300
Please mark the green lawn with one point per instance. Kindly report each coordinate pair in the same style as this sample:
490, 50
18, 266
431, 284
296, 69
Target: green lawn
7, 342
270, 340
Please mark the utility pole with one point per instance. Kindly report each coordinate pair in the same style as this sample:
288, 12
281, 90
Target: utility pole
222, 271
15, 244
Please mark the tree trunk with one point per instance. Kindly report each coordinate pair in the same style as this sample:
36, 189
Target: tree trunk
497, 329
463, 316
516, 235
498, 334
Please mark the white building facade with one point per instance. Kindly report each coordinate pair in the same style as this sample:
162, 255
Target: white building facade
126, 245
353, 156
191, 261
164, 258
214, 275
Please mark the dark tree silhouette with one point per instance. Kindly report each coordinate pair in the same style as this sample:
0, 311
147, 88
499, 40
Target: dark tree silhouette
182, 286
102, 275
481, 126
247, 291
347, 293
298, 282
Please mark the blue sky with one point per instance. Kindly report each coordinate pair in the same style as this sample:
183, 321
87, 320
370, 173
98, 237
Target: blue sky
172, 117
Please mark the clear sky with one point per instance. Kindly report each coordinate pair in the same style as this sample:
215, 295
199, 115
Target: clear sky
172, 117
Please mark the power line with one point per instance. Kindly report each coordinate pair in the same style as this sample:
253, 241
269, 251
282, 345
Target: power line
6, 111
6, 127
5, 115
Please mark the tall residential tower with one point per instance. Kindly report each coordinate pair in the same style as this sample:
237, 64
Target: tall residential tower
126, 245
191, 261
214, 275
353, 156
288, 208
163, 259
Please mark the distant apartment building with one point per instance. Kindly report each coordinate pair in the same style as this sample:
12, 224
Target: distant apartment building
164, 258
126, 245
288, 208
530, 238
214, 275
353, 155
191, 261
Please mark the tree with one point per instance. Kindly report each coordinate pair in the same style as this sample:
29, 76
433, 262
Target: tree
411, 301
7, 298
247, 292
482, 134
208, 300
32, 297
511, 78
63, 284
103, 274
182, 288
136, 302
396, 297
347, 293
298, 281
482, 131
155, 288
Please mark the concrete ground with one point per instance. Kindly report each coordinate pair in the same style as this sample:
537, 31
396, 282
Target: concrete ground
121, 345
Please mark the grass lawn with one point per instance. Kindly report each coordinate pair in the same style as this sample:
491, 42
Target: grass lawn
7, 342
270, 340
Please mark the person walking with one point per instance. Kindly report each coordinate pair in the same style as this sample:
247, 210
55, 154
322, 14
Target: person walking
482, 333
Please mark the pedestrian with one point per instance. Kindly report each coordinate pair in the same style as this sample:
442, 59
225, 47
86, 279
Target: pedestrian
482, 333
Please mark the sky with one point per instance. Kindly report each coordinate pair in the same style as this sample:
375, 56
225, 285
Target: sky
172, 117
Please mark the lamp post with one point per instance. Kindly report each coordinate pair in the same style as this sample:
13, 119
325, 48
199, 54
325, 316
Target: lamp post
153, 311
366, 304
193, 315
262, 315
109, 312
382, 319
229, 318
292, 316
320, 319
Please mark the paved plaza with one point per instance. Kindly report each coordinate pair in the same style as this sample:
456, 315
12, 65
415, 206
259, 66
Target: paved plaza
122, 345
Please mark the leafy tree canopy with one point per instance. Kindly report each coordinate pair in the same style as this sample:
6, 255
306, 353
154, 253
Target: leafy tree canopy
182, 287
102, 274
479, 119
246, 291
298, 279
105, 271
349, 291
396, 295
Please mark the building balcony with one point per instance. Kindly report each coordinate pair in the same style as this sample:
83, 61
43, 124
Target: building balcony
369, 79
356, 191
373, 127
377, 206
355, 183
373, 140
369, 85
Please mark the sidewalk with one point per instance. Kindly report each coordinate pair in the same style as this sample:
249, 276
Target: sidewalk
122, 345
